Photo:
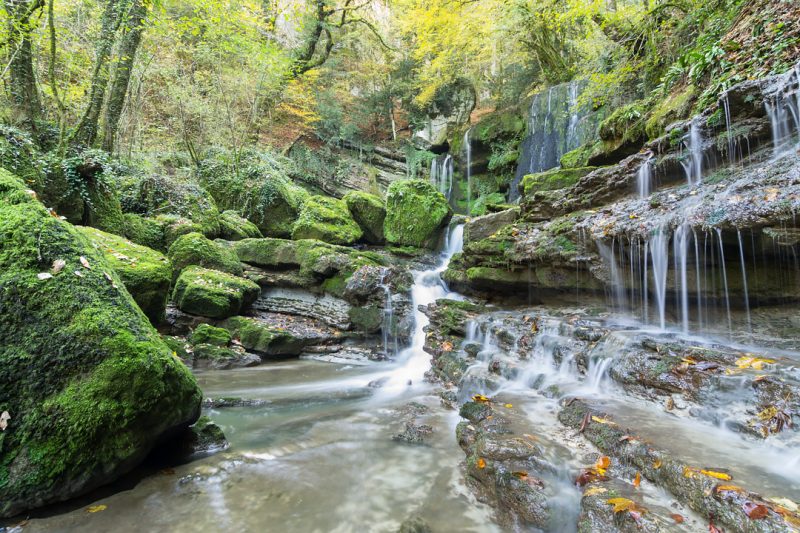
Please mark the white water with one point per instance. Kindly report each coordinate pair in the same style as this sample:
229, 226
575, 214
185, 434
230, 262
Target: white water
694, 144
428, 287
644, 178
783, 109
442, 175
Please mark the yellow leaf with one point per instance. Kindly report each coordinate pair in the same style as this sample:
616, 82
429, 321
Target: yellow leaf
718, 475
657, 464
621, 504
96, 508
480, 398
689, 472
447, 346
756, 363
728, 488
509, 406
602, 420
591, 491
481, 463
786, 503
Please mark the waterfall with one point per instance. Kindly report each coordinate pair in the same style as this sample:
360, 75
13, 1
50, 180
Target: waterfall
783, 108
468, 168
680, 253
694, 143
644, 178
442, 175
744, 279
659, 250
428, 287
389, 340
557, 124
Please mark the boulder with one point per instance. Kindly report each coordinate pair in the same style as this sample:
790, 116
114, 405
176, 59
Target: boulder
552, 180
328, 220
147, 274
261, 337
480, 228
451, 108
325, 308
415, 212
213, 294
232, 227
208, 334
195, 249
369, 212
88, 383
145, 231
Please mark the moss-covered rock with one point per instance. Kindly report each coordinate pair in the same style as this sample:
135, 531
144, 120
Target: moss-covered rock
579, 157
482, 205
207, 334
88, 383
232, 227
144, 231
552, 180
415, 212
326, 219
260, 337
147, 274
369, 212
213, 294
195, 249
669, 110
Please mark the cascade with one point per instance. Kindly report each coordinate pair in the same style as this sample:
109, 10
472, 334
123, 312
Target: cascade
659, 250
442, 175
644, 178
694, 143
783, 108
744, 279
428, 287
389, 340
468, 168
557, 124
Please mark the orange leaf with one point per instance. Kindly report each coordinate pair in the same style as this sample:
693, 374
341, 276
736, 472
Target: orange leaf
755, 511
678, 518
622, 504
728, 488
719, 475
481, 463
603, 462
637, 480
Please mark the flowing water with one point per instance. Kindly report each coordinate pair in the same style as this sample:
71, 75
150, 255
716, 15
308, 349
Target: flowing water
442, 175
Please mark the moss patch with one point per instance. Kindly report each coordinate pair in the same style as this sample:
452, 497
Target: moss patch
326, 219
415, 212
213, 294
195, 249
551, 180
369, 212
147, 274
232, 227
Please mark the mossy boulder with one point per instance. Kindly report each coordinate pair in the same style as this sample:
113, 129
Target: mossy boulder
369, 212
147, 274
232, 227
415, 212
552, 180
195, 249
144, 231
88, 382
326, 219
213, 294
208, 334
260, 337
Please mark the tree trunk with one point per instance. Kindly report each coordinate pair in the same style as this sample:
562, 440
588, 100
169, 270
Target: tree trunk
85, 133
27, 105
129, 45
611, 5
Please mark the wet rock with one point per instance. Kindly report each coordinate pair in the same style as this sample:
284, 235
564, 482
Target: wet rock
223, 403
415, 524
205, 437
212, 294
414, 433
479, 228
324, 308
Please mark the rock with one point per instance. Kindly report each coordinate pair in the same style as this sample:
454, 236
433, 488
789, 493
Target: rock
195, 249
147, 274
452, 107
213, 294
328, 220
222, 403
265, 195
89, 384
327, 309
147, 232
553, 180
415, 524
480, 228
206, 436
415, 212
207, 334
232, 227
369, 212
414, 433
222, 358
261, 337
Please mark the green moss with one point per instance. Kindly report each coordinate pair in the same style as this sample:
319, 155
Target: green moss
326, 219
213, 294
195, 249
369, 212
579, 158
88, 382
175, 227
147, 274
415, 212
103, 211
207, 334
145, 231
626, 123
675, 107
482, 205
232, 227
260, 337
551, 180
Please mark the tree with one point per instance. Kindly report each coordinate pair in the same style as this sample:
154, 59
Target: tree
25, 99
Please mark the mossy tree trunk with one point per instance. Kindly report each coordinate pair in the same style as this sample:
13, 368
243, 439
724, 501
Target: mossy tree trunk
129, 45
25, 99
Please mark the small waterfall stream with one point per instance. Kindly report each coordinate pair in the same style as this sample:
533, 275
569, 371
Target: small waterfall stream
442, 175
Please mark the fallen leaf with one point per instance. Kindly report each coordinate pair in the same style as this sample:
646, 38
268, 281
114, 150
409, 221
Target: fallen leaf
584, 423
481, 463
755, 511
4, 418
786, 503
657, 464
712, 528
58, 266
85, 263
509, 406
603, 462
520, 474
602, 420
637, 480
480, 398
79, 273
718, 475
447, 346
622, 504
96, 508
592, 491
756, 363
678, 518
44, 275
689, 472
728, 488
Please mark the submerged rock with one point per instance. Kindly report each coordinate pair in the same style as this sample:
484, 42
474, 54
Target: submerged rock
88, 383
205, 436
